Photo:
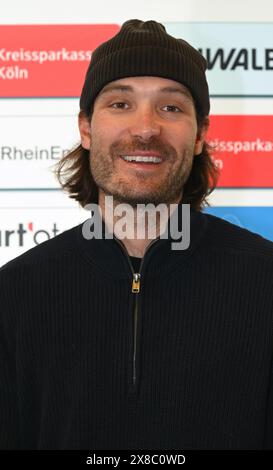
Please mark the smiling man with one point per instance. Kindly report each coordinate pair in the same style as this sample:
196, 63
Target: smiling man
142, 117
129, 344
142, 138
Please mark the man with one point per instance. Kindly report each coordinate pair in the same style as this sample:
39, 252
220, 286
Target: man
111, 343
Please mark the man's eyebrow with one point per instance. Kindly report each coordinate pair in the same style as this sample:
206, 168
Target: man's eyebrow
183, 92
110, 88
129, 88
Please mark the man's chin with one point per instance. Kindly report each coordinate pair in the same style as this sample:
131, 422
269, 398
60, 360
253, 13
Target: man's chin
135, 199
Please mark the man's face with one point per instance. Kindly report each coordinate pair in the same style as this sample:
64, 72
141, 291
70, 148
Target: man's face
142, 116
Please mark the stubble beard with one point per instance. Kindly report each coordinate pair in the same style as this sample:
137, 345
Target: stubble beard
102, 168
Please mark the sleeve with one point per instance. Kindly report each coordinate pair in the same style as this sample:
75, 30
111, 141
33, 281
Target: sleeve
9, 421
268, 437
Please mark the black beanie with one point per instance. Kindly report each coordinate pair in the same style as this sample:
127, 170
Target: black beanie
143, 48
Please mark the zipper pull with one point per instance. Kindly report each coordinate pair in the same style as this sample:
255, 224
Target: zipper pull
136, 283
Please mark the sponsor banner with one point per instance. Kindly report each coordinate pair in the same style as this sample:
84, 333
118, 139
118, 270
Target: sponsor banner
243, 150
256, 219
24, 228
51, 60
48, 60
30, 148
239, 55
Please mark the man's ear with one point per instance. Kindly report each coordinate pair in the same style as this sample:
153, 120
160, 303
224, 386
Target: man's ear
201, 136
85, 130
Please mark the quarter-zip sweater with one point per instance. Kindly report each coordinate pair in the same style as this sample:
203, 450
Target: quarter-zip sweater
177, 356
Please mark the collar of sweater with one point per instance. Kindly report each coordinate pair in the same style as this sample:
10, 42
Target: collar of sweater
110, 257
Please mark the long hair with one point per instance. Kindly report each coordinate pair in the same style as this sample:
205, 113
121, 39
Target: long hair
74, 175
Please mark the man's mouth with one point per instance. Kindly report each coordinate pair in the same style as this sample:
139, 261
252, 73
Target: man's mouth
146, 158
141, 159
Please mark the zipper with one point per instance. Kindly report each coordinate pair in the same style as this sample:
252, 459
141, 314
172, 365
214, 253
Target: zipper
135, 290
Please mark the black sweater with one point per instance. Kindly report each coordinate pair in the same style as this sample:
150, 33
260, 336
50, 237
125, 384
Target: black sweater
185, 363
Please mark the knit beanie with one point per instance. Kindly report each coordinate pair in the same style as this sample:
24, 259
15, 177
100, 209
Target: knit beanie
143, 48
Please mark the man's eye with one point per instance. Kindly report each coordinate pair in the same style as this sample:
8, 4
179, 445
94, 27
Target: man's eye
172, 108
118, 105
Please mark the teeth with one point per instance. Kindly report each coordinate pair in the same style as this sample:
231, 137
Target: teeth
141, 158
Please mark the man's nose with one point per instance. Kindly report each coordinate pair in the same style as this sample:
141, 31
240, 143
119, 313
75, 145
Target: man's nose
145, 123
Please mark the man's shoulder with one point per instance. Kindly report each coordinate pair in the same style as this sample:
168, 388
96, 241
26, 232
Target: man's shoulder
62, 244
226, 236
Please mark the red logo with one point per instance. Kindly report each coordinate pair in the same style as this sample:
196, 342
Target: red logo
244, 150
48, 60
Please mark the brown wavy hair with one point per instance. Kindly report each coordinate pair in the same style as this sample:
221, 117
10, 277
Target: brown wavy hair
74, 175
